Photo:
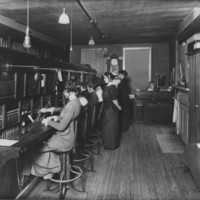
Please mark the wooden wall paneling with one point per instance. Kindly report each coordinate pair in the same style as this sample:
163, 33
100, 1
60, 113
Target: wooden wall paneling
183, 114
197, 97
182, 61
194, 61
184, 121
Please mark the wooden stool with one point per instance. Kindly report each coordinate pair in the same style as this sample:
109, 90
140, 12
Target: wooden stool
82, 154
65, 174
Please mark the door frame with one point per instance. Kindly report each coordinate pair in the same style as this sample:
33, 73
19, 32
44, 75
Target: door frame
138, 48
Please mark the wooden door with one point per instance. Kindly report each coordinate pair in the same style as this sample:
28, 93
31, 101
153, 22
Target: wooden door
197, 96
194, 87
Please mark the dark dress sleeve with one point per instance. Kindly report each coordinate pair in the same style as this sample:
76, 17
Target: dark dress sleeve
93, 100
113, 92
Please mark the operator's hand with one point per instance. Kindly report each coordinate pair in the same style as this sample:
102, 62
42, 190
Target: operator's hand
44, 110
46, 120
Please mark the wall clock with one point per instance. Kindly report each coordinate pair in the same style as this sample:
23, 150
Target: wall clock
114, 61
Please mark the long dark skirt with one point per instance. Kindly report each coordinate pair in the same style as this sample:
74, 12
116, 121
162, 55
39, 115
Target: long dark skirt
110, 128
124, 119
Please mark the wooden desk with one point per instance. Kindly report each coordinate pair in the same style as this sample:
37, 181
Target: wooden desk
153, 107
29, 137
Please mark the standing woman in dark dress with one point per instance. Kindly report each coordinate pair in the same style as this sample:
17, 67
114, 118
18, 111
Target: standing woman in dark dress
124, 101
110, 125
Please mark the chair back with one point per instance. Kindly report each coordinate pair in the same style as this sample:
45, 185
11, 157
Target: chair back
99, 109
91, 120
82, 123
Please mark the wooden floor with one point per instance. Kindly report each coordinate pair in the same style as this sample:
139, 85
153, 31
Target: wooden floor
137, 170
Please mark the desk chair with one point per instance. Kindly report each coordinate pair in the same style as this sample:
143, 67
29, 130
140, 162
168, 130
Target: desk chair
97, 132
92, 141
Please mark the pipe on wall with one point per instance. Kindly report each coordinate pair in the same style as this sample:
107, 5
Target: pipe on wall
94, 23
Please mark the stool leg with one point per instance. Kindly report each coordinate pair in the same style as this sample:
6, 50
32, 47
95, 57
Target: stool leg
63, 177
92, 162
62, 193
68, 167
99, 148
83, 181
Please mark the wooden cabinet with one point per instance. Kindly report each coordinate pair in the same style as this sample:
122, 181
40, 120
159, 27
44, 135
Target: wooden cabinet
153, 107
182, 122
194, 96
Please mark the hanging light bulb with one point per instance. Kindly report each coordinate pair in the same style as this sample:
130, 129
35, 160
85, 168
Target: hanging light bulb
71, 36
91, 41
27, 39
64, 18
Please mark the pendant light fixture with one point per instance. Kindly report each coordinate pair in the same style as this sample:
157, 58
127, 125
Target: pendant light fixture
71, 49
91, 41
27, 40
71, 36
64, 18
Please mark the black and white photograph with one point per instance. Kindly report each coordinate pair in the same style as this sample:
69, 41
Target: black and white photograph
99, 99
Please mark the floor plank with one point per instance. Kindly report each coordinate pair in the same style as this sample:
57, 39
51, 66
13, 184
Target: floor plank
137, 170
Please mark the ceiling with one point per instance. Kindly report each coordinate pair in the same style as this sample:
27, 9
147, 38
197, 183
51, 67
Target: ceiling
118, 21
